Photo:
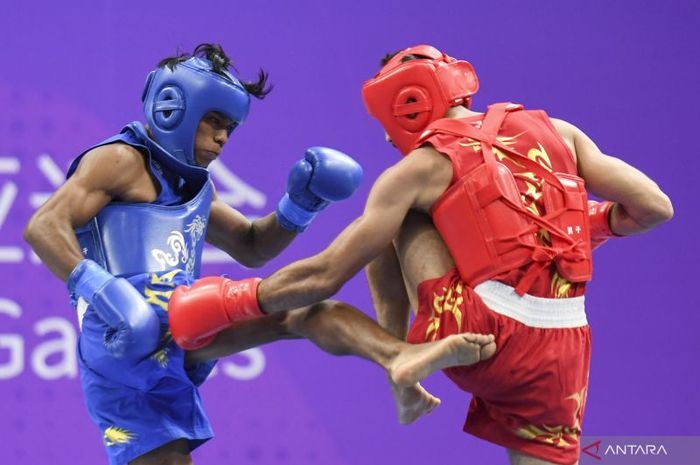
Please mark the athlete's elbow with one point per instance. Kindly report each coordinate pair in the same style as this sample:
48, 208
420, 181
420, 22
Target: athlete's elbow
251, 261
32, 230
261, 256
250, 257
665, 209
659, 210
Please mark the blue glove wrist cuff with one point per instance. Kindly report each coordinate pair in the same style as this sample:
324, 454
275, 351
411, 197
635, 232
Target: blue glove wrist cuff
293, 217
86, 278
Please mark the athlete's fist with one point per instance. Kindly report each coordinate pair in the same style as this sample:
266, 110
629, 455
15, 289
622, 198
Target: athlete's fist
324, 175
134, 327
197, 313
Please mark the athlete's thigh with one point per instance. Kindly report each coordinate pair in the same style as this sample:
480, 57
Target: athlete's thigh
422, 253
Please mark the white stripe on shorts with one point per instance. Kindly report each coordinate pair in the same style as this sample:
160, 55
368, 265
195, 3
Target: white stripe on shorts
536, 312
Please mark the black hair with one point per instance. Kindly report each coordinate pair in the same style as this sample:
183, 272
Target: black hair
220, 64
386, 58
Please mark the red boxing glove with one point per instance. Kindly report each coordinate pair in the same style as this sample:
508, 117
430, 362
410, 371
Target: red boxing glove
599, 217
212, 304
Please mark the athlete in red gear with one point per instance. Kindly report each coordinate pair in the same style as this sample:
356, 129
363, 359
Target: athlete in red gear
510, 256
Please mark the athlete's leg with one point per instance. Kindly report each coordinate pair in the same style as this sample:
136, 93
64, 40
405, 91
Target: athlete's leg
422, 253
392, 308
334, 328
173, 453
340, 329
244, 335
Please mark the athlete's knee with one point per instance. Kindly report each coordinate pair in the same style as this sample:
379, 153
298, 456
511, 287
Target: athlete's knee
281, 324
297, 321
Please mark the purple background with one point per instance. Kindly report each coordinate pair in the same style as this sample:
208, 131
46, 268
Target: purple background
624, 72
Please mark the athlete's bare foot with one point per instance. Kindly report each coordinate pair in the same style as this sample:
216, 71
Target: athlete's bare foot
412, 402
415, 362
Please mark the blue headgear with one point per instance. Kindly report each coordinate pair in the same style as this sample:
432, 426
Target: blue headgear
174, 101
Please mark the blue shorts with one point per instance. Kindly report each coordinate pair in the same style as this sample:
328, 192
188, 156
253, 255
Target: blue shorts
140, 405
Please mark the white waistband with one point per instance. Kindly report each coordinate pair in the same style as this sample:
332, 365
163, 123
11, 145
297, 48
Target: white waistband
536, 312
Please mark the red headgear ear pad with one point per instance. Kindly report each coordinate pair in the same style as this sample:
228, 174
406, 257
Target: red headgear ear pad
412, 108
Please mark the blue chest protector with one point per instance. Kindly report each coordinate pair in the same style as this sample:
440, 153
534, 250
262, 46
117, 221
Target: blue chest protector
168, 234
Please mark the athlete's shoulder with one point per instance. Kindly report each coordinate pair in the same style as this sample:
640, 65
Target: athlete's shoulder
567, 131
117, 155
424, 159
114, 167
423, 167
564, 127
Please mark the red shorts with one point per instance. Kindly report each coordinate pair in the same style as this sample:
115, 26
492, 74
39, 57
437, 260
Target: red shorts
530, 396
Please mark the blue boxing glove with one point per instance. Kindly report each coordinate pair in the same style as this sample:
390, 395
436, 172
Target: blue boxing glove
134, 326
324, 175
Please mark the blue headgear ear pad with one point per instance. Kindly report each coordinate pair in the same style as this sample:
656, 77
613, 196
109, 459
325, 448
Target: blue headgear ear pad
169, 107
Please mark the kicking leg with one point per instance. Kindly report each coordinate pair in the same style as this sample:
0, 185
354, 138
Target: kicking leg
244, 335
340, 329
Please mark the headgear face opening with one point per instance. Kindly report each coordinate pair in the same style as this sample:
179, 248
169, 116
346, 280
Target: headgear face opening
174, 101
407, 96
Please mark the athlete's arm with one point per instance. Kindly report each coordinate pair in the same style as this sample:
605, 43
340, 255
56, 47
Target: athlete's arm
198, 312
251, 243
415, 182
109, 172
323, 176
388, 290
639, 202
115, 171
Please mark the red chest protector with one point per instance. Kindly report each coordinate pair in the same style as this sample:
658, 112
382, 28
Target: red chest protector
483, 220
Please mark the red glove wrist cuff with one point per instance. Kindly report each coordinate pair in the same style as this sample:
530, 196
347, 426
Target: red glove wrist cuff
241, 299
599, 219
599, 216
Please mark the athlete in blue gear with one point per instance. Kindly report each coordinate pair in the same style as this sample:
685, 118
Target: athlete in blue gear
128, 226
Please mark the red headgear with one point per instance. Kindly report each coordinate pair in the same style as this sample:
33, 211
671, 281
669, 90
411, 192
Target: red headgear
407, 96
